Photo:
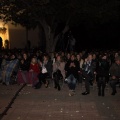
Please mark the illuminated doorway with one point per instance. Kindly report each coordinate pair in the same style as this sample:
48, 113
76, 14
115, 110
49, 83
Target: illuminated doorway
4, 34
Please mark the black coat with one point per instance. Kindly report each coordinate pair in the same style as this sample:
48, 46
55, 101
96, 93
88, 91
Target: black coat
91, 67
72, 70
25, 66
115, 70
49, 68
102, 68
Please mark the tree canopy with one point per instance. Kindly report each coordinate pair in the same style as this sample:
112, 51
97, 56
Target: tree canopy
30, 12
49, 13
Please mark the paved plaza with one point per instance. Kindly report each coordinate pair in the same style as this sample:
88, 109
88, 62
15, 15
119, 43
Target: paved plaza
51, 104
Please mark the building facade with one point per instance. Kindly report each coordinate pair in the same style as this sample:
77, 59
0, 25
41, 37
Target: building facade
17, 36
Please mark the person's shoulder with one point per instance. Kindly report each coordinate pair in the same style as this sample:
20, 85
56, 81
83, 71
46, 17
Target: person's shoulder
68, 61
82, 59
50, 61
76, 61
63, 63
93, 61
113, 65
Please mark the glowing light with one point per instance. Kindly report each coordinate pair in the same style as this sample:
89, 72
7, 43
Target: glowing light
3, 30
4, 33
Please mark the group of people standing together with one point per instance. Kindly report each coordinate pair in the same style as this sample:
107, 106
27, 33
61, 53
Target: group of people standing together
34, 70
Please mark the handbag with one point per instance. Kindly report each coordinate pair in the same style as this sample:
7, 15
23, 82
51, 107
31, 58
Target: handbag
44, 70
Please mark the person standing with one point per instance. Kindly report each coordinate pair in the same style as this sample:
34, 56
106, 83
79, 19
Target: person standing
72, 43
114, 74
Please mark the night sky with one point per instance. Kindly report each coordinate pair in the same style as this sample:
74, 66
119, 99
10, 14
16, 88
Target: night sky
95, 36
105, 36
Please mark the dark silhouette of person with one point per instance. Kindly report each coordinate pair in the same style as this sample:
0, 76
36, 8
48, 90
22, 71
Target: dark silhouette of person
0, 43
28, 44
114, 74
6, 44
102, 70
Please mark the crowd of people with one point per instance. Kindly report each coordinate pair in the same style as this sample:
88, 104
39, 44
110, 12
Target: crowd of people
33, 68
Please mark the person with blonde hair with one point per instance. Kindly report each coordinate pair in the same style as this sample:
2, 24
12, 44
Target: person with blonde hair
46, 70
33, 73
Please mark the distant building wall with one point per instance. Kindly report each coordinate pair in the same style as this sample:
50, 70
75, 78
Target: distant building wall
33, 36
17, 36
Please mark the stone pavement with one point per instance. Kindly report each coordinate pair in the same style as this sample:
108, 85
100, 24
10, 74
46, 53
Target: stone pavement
51, 104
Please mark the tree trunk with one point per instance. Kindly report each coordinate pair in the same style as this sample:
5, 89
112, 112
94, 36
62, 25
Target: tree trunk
51, 39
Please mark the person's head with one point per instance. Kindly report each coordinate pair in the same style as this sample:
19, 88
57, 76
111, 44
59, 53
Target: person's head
90, 57
34, 60
56, 54
116, 54
19, 56
58, 58
68, 55
94, 56
117, 60
24, 55
72, 57
78, 57
45, 58
13, 56
62, 54
37, 53
6, 56
104, 57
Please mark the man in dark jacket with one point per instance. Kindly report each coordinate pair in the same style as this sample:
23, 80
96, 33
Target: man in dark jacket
115, 74
72, 69
88, 72
102, 74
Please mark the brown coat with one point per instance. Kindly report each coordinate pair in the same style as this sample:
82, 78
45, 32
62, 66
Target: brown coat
59, 66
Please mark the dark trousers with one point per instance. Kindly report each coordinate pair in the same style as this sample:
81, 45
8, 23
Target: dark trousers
113, 84
42, 77
87, 83
88, 79
101, 82
80, 78
56, 82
